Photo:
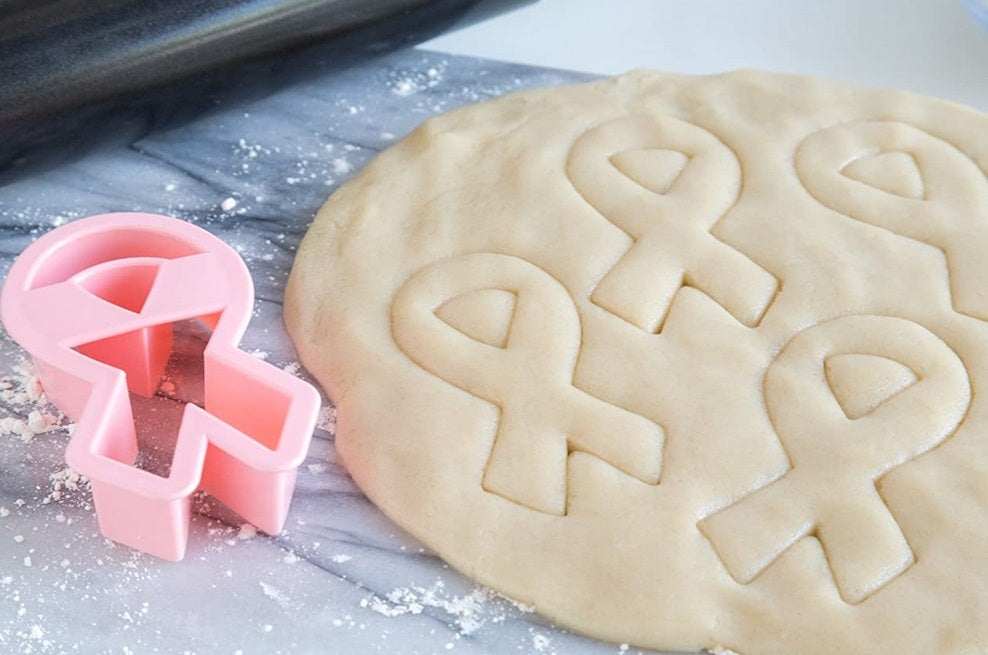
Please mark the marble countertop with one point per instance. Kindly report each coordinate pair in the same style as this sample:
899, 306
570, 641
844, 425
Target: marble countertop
341, 578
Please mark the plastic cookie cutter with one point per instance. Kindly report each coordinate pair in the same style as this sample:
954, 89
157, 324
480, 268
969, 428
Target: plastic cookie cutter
94, 303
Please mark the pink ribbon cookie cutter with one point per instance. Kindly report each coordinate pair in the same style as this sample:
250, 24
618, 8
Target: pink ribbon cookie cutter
94, 302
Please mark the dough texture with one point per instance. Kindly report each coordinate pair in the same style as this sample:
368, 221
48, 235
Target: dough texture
680, 361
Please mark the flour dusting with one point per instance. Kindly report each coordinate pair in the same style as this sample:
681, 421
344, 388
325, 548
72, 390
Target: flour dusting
326, 420
541, 643
275, 594
467, 613
407, 83
31, 415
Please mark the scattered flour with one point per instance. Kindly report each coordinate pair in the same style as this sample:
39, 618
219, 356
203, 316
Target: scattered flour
468, 613
541, 643
228, 204
31, 415
275, 594
250, 150
411, 82
326, 420
404, 87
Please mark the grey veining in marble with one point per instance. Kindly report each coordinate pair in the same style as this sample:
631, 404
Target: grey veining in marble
341, 578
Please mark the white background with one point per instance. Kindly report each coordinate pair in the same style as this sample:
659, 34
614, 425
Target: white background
930, 46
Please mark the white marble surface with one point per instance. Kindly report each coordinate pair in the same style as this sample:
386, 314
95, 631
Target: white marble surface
341, 578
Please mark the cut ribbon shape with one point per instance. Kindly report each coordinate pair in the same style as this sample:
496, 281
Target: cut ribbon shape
830, 490
668, 217
950, 213
543, 415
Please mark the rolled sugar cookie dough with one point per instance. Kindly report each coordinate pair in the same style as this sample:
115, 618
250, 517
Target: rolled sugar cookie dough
683, 362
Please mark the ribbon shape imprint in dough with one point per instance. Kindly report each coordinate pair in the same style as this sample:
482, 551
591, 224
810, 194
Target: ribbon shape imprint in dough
949, 212
830, 490
668, 219
543, 415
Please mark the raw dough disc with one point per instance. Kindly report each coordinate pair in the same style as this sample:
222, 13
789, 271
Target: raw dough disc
682, 362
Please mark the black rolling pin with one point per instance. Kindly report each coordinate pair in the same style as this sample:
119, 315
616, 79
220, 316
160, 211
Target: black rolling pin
67, 63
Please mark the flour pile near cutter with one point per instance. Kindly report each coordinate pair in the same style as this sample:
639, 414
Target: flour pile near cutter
682, 362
